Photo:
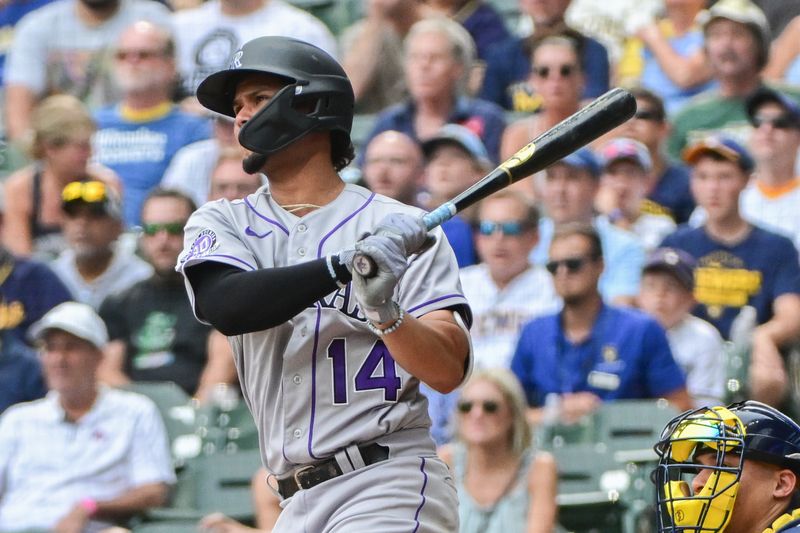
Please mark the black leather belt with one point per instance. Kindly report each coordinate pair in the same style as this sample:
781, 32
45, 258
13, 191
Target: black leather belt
309, 476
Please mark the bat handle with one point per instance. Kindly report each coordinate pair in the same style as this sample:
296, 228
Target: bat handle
365, 265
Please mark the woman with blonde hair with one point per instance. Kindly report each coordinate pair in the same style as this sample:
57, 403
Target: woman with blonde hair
503, 485
60, 147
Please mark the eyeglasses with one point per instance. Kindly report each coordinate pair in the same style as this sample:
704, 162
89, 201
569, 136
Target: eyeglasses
781, 122
172, 228
573, 264
489, 407
564, 70
141, 55
510, 229
646, 114
88, 191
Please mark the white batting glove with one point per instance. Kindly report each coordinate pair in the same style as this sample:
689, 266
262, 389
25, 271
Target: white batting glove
408, 231
374, 294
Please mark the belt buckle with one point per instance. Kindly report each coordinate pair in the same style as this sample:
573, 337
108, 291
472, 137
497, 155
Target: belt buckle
300, 471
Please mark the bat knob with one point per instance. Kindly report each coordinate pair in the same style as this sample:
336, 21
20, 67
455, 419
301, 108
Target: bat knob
364, 265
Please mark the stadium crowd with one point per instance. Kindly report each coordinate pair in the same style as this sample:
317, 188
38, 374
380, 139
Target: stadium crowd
635, 268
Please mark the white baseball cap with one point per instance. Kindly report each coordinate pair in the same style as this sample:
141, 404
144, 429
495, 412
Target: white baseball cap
75, 318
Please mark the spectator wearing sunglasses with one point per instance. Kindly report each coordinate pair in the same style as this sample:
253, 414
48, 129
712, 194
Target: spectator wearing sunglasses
772, 198
591, 352
741, 264
623, 185
93, 267
153, 333
569, 190
504, 485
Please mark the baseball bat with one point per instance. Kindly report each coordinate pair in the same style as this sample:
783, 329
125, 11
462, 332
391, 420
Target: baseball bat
599, 117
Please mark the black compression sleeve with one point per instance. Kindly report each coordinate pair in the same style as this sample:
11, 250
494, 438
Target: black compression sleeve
236, 301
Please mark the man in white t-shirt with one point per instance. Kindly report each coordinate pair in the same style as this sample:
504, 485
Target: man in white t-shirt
772, 198
208, 36
666, 294
84, 457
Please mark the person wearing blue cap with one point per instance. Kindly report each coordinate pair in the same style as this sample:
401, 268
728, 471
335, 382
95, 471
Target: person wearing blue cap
569, 190
741, 264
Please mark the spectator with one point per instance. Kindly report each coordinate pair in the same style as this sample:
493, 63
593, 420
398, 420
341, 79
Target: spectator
85, 456
783, 63
393, 166
372, 53
154, 335
191, 167
772, 196
438, 57
138, 137
480, 18
93, 267
505, 290
591, 352
21, 377
623, 185
740, 264
668, 184
666, 55
510, 61
265, 502
230, 181
568, 193
666, 295
503, 485
455, 159
61, 150
555, 85
737, 45
208, 36
10, 14
61, 48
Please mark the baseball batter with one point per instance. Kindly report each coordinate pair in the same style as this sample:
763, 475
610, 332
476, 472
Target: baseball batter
329, 367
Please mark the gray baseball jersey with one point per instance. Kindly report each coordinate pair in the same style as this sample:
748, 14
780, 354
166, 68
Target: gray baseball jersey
322, 381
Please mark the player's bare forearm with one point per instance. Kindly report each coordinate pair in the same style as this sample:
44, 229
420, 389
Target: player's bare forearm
434, 348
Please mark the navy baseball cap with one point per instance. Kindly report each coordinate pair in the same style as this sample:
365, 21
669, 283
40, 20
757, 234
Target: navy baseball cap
766, 94
673, 261
724, 147
584, 159
462, 137
94, 194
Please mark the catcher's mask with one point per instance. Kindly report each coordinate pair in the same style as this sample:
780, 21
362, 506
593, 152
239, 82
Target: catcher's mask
317, 96
724, 437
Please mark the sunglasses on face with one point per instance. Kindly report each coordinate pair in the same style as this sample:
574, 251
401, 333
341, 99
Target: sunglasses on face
510, 229
89, 191
141, 55
564, 70
489, 407
781, 122
172, 228
572, 264
645, 114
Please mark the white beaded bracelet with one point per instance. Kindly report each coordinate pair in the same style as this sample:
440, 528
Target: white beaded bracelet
391, 329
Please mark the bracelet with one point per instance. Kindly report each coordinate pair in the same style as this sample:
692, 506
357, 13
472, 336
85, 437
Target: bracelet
391, 329
89, 505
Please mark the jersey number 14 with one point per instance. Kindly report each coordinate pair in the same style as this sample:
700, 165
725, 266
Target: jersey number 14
368, 377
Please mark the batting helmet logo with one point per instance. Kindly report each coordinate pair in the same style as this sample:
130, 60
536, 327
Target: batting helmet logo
236, 61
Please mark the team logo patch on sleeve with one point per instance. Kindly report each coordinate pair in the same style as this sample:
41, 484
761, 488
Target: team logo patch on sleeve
203, 245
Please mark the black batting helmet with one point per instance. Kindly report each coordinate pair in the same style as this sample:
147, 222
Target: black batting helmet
313, 77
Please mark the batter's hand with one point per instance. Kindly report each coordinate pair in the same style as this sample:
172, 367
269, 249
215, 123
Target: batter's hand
408, 231
374, 294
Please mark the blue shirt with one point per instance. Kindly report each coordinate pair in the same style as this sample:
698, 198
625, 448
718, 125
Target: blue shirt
623, 256
626, 356
672, 195
483, 118
486, 27
753, 272
139, 151
459, 235
21, 377
508, 62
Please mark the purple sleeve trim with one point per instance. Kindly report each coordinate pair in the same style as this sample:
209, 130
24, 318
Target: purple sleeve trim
230, 257
342, 223
421, 493
262, 217
439, 299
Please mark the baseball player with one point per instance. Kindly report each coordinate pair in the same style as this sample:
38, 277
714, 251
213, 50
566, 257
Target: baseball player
329, 368
733, 469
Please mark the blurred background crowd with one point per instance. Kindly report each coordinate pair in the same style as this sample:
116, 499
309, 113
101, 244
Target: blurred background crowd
651, 272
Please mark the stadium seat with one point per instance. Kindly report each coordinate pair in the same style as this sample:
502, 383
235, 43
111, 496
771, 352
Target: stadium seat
172, 526
174, 405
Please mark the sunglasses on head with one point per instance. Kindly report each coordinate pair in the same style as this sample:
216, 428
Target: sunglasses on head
646, 114
781, 122
172, 228
511, 229
572, 264
564, 70
87, 191
489, 407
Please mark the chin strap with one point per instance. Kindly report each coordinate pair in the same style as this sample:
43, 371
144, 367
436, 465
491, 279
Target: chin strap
783, 521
